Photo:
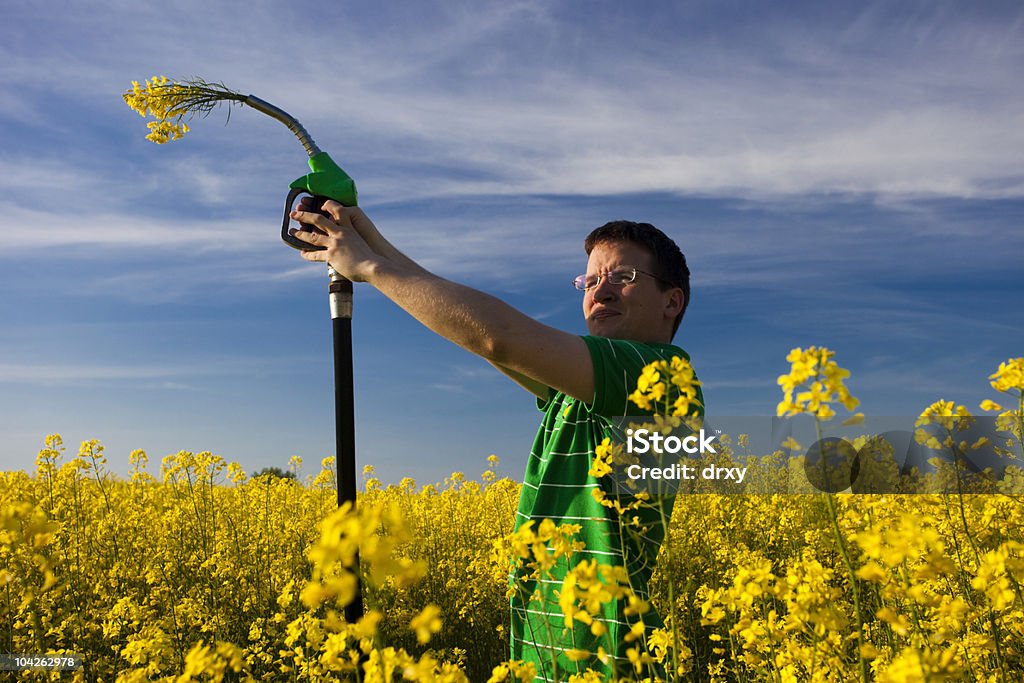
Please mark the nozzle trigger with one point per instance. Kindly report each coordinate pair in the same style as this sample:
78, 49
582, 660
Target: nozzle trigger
289, 204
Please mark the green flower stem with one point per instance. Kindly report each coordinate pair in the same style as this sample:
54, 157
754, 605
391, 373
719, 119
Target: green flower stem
833, 515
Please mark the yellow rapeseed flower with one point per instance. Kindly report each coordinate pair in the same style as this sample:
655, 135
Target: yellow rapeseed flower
169, 102
824, 381
426, 623
667, 387
1010, 375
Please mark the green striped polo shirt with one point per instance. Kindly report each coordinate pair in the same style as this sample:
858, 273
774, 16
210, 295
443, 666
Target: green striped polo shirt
557, 486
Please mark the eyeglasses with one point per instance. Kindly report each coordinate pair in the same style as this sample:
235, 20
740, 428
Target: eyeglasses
622, 275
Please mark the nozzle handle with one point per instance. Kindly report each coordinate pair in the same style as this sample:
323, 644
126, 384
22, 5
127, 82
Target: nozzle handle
289, 239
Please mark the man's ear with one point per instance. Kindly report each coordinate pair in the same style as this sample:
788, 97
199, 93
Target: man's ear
674, 302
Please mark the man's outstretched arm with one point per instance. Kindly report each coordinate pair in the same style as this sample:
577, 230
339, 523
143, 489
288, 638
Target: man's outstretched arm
534, 387
478, 322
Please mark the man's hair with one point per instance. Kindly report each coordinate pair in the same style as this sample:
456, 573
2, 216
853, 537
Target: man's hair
669, 261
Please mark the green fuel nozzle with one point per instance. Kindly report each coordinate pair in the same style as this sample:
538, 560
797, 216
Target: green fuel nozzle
326, 181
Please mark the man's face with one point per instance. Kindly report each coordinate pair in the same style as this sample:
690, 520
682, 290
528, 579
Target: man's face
639, 310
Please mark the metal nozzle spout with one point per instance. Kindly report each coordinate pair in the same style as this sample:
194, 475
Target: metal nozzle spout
287, 119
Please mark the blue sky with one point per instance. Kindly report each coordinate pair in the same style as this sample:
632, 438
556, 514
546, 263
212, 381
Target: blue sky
847, 176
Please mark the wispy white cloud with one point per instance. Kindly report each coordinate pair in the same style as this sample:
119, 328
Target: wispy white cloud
195, 372
75, 373
26, 229
450, 388
517, 98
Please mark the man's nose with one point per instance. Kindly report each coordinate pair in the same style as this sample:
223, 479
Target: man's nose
604, 291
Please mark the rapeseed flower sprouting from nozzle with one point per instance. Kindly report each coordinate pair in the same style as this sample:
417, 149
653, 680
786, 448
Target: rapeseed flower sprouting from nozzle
170, 101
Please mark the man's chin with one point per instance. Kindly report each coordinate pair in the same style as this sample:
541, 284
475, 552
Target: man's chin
612, 328
606, 327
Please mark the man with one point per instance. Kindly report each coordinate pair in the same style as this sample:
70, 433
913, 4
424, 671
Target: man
635, 291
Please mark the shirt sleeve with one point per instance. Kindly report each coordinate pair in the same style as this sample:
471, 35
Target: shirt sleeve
543, 403
617, 366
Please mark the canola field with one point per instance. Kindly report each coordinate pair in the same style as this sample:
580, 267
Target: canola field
198, 572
